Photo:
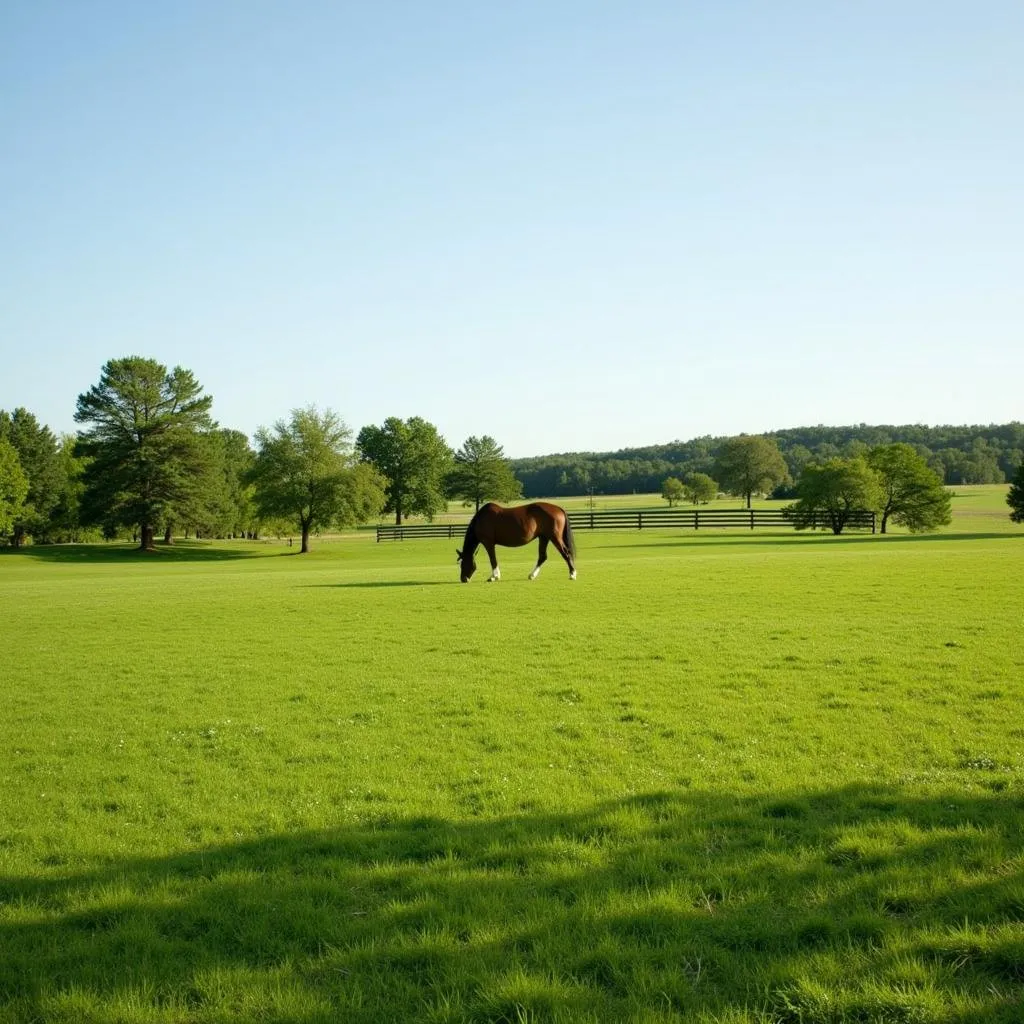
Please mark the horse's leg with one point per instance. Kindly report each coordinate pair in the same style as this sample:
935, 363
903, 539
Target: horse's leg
542, 557
564, 552
495, 571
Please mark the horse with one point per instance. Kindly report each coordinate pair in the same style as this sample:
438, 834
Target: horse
513, 527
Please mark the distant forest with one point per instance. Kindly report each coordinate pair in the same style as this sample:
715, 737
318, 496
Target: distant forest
960, 455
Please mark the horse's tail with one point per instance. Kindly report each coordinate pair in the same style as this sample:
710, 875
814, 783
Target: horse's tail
568, 538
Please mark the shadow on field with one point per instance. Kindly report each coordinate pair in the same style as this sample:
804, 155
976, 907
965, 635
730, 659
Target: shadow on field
702, 538
387, 583
95, 554
857, 904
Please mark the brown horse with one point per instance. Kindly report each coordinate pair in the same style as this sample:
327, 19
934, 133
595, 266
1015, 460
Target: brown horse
513, 527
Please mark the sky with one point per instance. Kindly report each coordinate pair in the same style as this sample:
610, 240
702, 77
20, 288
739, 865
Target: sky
572, 226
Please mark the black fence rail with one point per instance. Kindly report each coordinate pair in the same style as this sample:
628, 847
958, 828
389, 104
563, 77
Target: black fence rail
706, 518
647, 519
421, 530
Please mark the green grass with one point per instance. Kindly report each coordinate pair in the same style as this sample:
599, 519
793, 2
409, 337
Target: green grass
733, 777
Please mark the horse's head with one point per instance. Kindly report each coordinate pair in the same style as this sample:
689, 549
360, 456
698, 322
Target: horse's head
468, 563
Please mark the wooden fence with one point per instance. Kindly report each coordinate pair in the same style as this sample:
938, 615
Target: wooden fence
421, 530
646, 519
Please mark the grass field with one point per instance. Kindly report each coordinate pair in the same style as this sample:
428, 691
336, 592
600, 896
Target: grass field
734, 777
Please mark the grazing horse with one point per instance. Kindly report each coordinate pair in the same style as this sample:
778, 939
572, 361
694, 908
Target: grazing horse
513, 527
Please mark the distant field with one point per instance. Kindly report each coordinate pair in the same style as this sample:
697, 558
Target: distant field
747, 776
985, 504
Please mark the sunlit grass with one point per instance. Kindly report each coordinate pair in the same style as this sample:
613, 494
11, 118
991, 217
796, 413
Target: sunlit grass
746, 776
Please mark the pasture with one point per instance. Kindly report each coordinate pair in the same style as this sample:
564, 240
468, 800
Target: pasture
735, 777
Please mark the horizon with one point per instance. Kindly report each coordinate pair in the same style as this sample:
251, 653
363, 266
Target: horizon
860, 425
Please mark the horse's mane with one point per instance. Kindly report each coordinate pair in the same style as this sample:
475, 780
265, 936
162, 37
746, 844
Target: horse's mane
471, 529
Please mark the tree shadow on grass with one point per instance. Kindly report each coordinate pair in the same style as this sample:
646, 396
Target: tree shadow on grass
858, 904
121, 553
383, 583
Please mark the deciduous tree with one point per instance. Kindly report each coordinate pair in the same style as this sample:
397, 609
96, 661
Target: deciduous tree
305, 471
66, 520
912, 494
481, 473
226, 508
146, 461
748, 465
700, 488
414, 459
13, 487
833, 490
39, 456
672, 490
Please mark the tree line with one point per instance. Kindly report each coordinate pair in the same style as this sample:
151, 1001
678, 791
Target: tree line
149, 459
959, 455
893, 480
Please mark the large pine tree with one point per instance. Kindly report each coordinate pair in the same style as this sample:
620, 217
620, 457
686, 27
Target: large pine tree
146, 458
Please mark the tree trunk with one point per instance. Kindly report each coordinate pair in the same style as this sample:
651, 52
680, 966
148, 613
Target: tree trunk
305, 540
885, 519
146, 534
168, 538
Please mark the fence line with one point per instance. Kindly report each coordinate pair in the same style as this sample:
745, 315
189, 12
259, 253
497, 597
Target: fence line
646, 519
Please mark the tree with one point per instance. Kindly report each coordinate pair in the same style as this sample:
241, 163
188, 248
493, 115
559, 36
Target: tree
13, 487
414, 460
1015, 498
237, 461
305, 471
482, 472
700, 488
748, 465
912, 494
832, 491
672, 490
146, 460
66, 520
39, 457
226, 507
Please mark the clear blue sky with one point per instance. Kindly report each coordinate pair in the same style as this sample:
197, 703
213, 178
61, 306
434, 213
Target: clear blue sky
570, 225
